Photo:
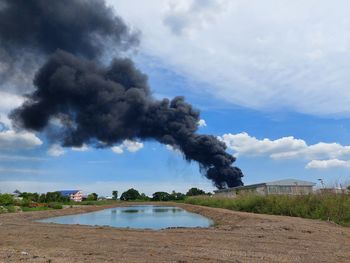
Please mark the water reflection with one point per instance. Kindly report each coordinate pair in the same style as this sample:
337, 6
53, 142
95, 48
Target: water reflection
143, 216
131, 211
167, 210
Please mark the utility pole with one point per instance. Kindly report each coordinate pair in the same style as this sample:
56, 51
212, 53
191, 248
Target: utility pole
322, 183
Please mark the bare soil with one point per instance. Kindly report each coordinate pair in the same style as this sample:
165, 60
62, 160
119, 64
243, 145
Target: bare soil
236, 237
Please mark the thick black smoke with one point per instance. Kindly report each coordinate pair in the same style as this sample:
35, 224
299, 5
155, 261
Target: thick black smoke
80, 27
103, 105
110, 104
32, 29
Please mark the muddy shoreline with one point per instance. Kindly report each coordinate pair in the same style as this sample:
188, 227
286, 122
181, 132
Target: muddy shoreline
236, 237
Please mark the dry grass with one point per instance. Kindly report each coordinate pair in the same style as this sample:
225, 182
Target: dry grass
327, 206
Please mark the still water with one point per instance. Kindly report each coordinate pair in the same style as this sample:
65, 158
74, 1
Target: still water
140, 216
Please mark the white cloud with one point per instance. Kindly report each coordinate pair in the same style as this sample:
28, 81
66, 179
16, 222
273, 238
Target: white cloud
83, 148
296, 57
326, 164
288, 148
117, 149
131, 146
11, 140
8, 101
173, 149
56, 150
201, 123
244, 144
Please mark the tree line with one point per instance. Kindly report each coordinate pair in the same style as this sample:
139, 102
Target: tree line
27, 198
133, 194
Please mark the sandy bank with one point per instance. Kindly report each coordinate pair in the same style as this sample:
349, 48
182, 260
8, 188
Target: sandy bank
237, 237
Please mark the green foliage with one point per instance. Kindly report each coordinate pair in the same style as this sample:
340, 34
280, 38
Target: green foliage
195, 191
50, 197
6, 199
174, 196
99, 202
10, 209
38, 208
3, 209
164, 196
327, 206
34, 197
42, 198
130, 194
143, 197
55, 205
115, 194
25, 202
92, 197
161, 196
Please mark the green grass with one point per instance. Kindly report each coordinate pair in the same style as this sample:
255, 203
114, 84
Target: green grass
331, 207
39, 208
25, 205
99, 202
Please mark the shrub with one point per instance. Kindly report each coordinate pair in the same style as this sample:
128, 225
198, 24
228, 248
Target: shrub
92, 197
326, 206
195, 191
6, 199
3, 210
161, 196
55, 205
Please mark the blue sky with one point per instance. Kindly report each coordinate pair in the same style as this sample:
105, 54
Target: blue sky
274, 87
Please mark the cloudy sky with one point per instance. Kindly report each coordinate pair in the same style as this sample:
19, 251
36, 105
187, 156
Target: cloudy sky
271, 79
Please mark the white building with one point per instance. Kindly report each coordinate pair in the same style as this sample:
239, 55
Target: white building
280, 187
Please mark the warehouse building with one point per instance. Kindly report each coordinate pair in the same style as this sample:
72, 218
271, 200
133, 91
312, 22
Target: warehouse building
280, 187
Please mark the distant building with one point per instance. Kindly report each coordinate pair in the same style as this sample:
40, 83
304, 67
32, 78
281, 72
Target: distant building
16, 195
74, 195
281, 187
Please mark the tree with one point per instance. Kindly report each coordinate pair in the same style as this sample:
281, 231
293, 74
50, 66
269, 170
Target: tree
92, 197
144, 197
31, 197
115, 194
177, 196
130, 194
42, 198
54, 197
6, 199
161, 196
195, 191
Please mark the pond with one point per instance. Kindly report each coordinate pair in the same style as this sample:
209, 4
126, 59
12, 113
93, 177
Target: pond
138, 216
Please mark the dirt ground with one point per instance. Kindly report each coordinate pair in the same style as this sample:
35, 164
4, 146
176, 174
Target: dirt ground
236, 237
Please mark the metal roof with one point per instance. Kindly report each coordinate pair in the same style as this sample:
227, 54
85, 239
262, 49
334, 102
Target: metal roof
239, 187
285, 182
291, 182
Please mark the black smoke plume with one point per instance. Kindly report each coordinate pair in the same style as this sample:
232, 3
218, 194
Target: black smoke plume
32, 29
81, 27
103, 105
